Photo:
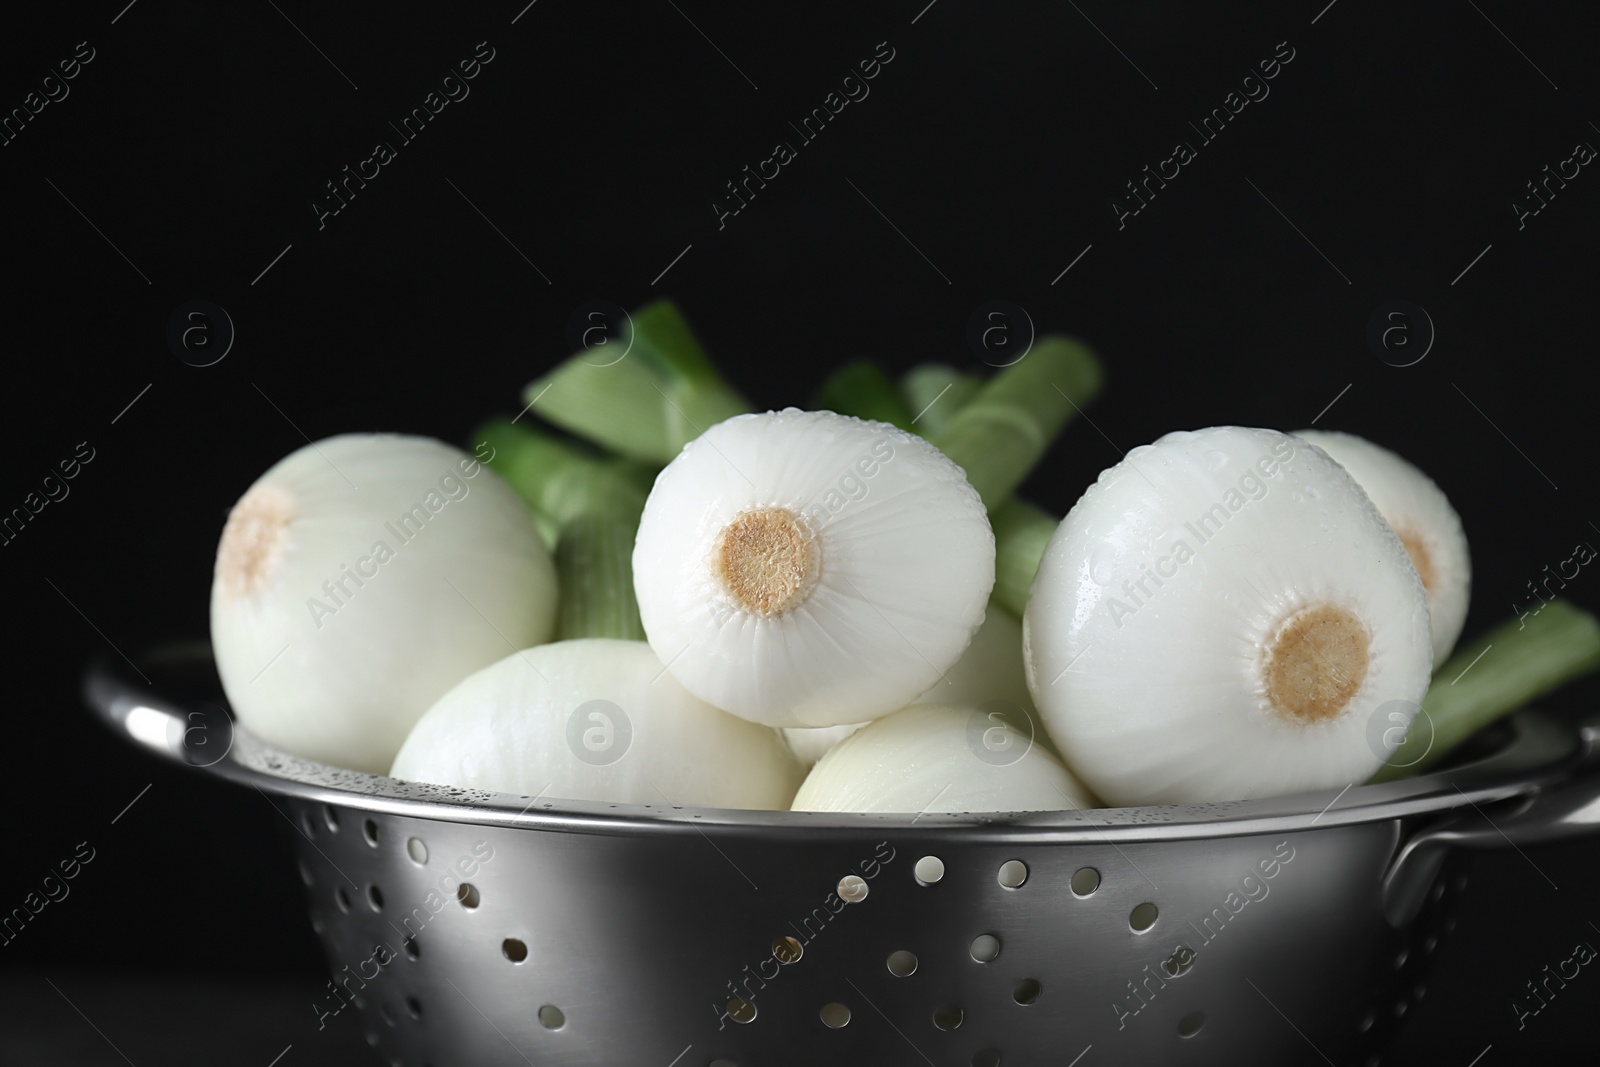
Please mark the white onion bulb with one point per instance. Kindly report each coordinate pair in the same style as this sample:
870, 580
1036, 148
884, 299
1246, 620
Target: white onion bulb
360, 578
810, 569
1419, 512
940, 758
596, 719
811, 743
1222, 615
989, 675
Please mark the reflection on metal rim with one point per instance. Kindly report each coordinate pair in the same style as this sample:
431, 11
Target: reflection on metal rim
1535, 752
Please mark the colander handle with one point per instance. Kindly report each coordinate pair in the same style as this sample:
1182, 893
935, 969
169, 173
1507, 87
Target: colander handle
1566, 809
195, 736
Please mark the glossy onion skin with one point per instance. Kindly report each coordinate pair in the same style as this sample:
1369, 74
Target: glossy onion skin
991, 675
1410, 500
940, 758
1155, 697
596, 719
811, 743
988, 675
906, 566
344, 684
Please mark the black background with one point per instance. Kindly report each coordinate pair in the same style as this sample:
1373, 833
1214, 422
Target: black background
596, 141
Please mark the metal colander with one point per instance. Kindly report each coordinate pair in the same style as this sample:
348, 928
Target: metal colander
470, 929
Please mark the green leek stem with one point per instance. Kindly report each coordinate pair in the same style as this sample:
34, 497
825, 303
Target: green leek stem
1021, 532
1000, 434
644, 396
1522, 660
863, 390
933, 394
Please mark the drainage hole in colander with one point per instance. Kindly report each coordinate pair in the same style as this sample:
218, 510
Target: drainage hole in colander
787, 950
514, 950
1085, 880
467, 894
414, 1007
342, 898
411, 947
1400, 1007
551, 1017
948, 1017
369, 830
305, 874
308, 824
417, 850
375, 897
987, 1058
902, 964
985, 948
1026, 992
1190, 1024
1366, 1022
928, 870
741, 1010
387, 1013
1142, 917
372, 1038
330, 817
1401, 957
853, 888
834, 1015
1012, 873
316, 926
1179, 962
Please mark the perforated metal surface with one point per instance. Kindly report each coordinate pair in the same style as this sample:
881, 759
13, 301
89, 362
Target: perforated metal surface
642, 941
470, 929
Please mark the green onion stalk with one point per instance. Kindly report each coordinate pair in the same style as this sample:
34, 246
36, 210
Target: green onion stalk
865, 391
644, 395
998, 430
588, 508
1520, 663
999, 435
1021, 532
933, 393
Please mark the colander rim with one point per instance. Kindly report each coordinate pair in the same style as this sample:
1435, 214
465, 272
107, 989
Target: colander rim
1535, 752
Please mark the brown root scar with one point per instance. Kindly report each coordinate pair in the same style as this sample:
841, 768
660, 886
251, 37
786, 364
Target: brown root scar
254, 538
767, 561
1417, 549
1315, 662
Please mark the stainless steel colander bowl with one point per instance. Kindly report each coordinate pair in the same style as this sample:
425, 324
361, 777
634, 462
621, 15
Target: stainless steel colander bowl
470, 929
